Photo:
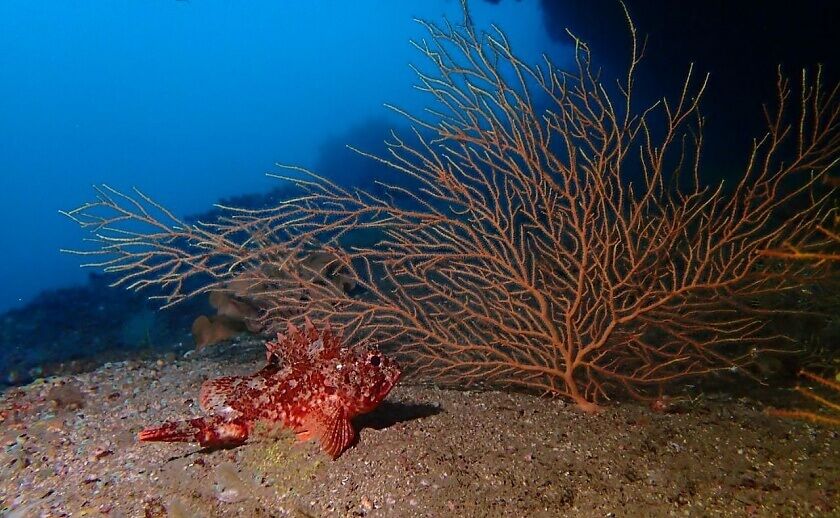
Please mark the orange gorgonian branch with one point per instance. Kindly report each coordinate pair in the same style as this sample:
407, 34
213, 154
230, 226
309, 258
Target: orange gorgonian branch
827, 404
540, 231
819, 114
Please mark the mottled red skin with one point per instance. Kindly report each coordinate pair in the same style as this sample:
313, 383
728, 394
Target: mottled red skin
317, 389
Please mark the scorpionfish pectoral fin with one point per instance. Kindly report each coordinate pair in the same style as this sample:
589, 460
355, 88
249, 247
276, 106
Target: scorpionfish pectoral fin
329, 424
209, 432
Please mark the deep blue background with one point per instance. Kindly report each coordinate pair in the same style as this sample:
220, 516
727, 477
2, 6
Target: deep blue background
191, 101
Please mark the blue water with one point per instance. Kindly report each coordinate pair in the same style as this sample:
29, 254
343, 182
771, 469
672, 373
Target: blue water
191, 101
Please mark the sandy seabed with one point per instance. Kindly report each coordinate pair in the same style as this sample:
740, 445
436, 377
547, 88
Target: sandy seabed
69, 449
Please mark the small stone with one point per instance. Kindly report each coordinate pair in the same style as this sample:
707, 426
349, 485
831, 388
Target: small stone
229, 496
102, 453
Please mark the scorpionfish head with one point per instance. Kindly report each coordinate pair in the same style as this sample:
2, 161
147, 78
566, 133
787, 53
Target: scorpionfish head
363, 377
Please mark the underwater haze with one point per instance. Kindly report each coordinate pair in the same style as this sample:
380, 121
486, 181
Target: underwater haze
191, 101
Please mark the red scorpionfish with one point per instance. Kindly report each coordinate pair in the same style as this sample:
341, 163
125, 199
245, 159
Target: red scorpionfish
311, 385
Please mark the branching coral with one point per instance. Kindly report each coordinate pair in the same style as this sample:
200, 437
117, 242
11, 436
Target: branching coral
542, 233
238, 304
825, 403
821, 243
